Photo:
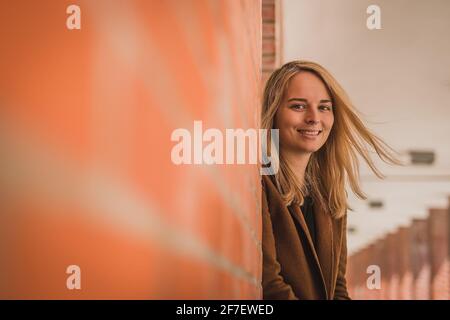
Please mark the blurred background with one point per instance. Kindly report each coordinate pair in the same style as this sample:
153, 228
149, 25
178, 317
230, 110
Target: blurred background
398, 77
86, 117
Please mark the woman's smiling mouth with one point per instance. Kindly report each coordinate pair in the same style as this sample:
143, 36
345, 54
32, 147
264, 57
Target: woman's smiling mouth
309, 133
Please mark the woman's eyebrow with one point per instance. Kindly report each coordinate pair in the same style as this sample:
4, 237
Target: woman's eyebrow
298, 99
306, 100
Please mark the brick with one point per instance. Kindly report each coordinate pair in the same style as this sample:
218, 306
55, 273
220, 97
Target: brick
268, 30
438, 232
420, 258
268, 47
268, 13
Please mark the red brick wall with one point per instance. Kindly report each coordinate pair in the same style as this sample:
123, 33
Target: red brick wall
271, 37
86, 177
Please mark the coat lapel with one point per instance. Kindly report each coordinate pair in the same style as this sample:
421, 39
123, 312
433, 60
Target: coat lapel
321, 252
325, 245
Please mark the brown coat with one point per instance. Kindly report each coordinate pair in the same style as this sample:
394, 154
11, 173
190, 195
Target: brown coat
292, 267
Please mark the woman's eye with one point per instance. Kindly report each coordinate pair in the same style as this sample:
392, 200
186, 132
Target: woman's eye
326, 108
298, 106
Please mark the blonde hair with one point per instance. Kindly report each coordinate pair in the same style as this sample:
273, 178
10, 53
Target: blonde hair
336, 160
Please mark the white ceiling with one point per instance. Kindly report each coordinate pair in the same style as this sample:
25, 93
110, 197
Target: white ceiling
399, 78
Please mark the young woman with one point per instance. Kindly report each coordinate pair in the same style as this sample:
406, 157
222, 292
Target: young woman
304, 205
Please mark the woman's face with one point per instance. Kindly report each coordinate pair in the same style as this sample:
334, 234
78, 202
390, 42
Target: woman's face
305, 116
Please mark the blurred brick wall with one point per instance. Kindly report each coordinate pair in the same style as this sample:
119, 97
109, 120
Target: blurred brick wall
439, 259
86, 176
414, 261
271, 37
421, 259
405, 264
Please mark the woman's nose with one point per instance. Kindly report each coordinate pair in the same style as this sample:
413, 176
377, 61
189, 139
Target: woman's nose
312, 117
312, 121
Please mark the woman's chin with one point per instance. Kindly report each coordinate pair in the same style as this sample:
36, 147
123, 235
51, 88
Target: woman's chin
308, 148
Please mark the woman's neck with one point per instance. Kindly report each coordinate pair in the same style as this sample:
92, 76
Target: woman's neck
298, 163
